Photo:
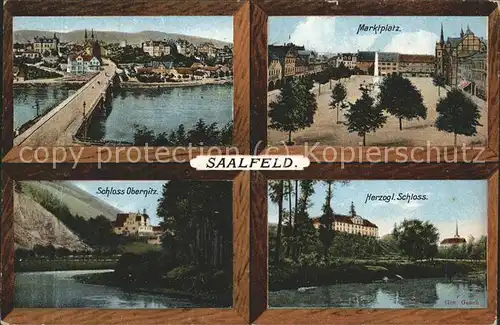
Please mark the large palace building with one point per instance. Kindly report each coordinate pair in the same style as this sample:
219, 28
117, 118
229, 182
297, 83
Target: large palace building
351, 224
453, 54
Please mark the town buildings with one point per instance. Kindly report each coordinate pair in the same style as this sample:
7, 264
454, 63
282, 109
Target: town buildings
349, 60
452, 241
473, 75
388, 63
133, 224
365, 61
156, 48
351, 224
208, 49
287, 55
412, 65
80, 64
274, 71
185, 48
43, 44
455, 52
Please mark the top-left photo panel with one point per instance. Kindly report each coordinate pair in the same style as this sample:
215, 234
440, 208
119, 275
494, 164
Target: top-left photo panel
123, 81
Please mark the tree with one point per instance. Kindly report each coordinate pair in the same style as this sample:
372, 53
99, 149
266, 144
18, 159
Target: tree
457, 114
326, 232
401, 99
295, 108
416, 239
339, 93
364, 117
276, 194
439, 81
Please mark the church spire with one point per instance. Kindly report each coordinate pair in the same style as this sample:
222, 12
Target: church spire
85, 33
442, 35
461, 31
456, 230
92, 33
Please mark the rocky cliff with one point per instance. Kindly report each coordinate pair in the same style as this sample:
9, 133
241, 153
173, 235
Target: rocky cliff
33, 225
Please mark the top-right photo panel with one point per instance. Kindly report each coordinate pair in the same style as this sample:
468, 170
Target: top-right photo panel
378, 81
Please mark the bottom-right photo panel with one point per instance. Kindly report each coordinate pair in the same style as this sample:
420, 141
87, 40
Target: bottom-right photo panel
377, 244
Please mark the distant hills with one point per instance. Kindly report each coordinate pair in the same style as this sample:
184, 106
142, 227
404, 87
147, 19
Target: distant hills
23, 36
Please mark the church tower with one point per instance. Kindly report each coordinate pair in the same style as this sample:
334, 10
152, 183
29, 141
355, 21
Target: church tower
352, 211
86, 37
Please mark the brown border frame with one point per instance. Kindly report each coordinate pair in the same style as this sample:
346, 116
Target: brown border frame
249, 188
267, 8
261, 314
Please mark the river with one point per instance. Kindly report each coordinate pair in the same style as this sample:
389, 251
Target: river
57, 289
409, 293
26, 99
162, 110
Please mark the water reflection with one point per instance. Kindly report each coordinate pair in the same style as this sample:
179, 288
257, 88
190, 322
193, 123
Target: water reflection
60, 290
162, 110
410, 293
26, 99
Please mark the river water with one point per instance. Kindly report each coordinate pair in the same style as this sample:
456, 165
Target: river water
163, 110
57, 289
27, 99
409, 293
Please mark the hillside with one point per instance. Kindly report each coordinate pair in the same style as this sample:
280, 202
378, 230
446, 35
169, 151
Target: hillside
78, 201
33, 225
23, 36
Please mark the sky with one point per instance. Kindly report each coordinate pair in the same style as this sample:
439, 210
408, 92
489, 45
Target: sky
417, 35
447, 202
127, 203
215, 27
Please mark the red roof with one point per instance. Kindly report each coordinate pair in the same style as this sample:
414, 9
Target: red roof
415, 58
348, 219
454, 240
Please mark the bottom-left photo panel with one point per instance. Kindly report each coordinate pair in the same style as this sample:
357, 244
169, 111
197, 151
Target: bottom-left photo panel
123, 244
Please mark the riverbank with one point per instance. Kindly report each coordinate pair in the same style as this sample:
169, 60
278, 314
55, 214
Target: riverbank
178, 286
45, 83
289, 276
136, 84
63, 265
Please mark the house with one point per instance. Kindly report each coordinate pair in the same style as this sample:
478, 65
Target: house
416, 65
365, 61
208, 49
133, 224
308, 56
473, 74
31, 55
156, 48
43, 44
452, 241
287, 55
185, 48
388, 63
452, 52
82, 63
349, 60
351, 224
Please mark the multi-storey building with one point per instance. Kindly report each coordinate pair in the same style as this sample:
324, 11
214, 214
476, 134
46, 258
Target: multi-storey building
130, 224
388, 63
287, 55
413, 65
365, 61
43, 44
208, 49
156, 48
349, 60
455, 50
473, 75
82, 63
351, 224
274, 71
